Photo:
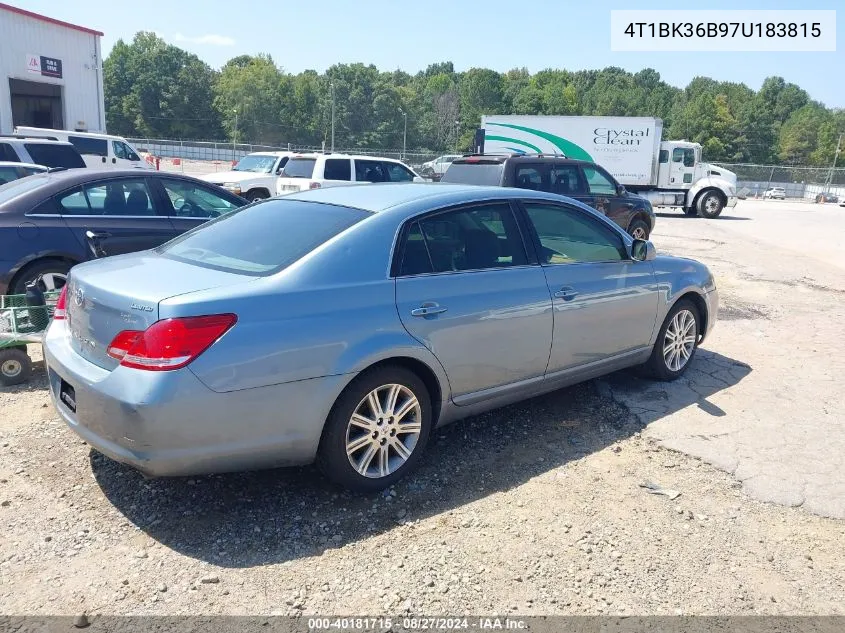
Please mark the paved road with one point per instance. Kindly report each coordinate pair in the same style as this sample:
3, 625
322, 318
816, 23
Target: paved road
764, 399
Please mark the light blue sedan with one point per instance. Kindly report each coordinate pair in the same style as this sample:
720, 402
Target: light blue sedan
342, 325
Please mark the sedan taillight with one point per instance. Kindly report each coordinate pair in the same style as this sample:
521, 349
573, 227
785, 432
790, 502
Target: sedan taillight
60, 311
169, 344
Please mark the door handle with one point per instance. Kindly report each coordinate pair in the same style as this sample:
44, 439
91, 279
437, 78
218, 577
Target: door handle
567, 293
97, 235
427, 310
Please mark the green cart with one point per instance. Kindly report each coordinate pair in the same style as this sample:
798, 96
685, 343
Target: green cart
21, 324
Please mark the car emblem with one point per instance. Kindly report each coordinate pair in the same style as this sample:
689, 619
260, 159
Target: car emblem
79, 296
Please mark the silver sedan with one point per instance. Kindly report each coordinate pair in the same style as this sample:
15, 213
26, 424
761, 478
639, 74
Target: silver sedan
342, 325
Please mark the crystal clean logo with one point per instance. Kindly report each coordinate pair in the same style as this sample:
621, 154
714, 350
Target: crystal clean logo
564, 146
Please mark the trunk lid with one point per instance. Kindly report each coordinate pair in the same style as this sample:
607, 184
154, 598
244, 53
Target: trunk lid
110, 295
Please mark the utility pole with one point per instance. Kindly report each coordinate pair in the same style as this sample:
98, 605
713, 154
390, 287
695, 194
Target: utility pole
235, 136
331, 85
404, 134
457, 133
833, 167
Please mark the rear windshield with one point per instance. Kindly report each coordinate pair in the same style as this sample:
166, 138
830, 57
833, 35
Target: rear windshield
54, 155
299, 168
474, 173
19, 187
264, 238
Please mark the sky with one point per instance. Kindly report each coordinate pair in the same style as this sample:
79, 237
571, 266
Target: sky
411, 34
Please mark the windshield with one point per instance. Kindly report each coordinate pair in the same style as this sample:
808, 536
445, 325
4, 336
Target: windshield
54, 155
264, 238
256, 163
299, 168
474, 173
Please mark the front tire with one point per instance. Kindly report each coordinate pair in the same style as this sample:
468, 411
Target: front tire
676, 342
256, 194
710, 205
638, 229
377, 430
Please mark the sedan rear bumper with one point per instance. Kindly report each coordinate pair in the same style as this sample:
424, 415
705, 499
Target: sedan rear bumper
170, 424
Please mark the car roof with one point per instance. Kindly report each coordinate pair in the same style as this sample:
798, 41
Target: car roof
31, 139
383, 196
486, 159
334, 155
270, 154
80, 175
8, 163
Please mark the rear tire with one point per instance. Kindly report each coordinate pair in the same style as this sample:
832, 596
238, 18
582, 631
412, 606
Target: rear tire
377, 430
15, 366
52, 271
710, 205
676, 343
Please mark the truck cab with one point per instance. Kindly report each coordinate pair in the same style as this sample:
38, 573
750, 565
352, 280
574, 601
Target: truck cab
683, 180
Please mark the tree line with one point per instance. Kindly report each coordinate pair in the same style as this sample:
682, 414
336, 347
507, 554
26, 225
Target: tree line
156, 90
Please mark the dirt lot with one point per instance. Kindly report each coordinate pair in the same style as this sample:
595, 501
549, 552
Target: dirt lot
533, 509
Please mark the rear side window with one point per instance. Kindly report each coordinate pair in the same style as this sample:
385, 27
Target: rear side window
338, 169
370, 171
664, 156
8, 154
566, 180
476, 238
87, 145
475, 173
534, 177
54, 155
116, 197
299, 168
264, 238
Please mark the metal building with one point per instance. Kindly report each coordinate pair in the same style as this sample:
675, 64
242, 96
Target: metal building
51, 73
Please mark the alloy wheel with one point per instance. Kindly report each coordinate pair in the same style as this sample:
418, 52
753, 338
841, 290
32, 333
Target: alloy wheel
679, 340
383, 431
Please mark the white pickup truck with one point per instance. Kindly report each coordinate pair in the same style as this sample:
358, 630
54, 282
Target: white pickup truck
254, 176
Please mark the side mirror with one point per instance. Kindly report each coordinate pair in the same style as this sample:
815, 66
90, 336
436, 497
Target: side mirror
419, 179
279, 171
620, 190
643, 251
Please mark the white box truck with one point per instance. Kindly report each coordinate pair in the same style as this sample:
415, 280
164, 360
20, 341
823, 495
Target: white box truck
668, 173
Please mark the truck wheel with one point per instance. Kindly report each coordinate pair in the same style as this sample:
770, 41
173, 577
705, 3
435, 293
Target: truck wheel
710, 205
15, 366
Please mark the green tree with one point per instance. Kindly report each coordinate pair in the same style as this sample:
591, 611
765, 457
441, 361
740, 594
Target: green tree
155, 89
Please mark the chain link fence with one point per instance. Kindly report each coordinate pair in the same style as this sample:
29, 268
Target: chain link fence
220, 153
797, 182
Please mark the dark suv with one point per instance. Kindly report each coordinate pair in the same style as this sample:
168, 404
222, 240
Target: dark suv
581, 180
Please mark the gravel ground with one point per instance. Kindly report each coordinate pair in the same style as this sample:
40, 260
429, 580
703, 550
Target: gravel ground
537, 508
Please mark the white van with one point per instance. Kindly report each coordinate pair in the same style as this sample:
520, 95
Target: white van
98, 150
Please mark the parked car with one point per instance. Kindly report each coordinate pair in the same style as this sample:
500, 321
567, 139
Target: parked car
50, 222
584, 181
775, 193
254, 176
12, 171
435, 169
342, 325
38, 151
313, 171
98, 150
826, 196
